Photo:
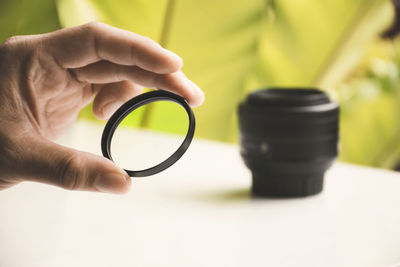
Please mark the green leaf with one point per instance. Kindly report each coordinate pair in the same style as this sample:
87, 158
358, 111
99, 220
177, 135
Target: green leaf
317, 43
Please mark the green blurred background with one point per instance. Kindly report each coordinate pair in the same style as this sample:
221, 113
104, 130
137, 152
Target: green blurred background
347, 48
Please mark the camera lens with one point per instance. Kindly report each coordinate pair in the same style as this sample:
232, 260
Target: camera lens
288, 139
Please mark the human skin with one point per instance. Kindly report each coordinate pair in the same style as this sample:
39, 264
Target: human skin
46, 79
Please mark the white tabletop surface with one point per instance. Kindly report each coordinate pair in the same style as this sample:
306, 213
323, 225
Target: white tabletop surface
199, 213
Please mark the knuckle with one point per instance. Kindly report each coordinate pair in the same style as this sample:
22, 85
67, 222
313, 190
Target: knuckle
13, 40
168, 80
10, 44
70, 173
91, 31
18, 47
93, 26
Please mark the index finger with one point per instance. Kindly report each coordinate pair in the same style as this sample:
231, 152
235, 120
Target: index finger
82, 45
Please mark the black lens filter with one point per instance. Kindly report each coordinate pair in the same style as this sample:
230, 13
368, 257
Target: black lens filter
132, 105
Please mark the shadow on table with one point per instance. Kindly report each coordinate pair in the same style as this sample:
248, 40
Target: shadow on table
240, 195
227, 196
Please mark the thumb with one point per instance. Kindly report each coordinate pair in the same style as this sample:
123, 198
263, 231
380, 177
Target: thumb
47, 162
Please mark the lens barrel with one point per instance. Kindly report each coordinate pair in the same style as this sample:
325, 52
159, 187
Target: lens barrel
288, 139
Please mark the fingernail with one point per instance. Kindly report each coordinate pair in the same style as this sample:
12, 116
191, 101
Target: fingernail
110, 108
198, 92
111, 183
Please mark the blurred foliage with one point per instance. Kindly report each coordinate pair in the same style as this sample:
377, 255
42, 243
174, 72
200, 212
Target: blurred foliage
370, 110
216, 39
21, 17
233, 47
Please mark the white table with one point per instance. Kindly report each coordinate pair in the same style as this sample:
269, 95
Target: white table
199, 213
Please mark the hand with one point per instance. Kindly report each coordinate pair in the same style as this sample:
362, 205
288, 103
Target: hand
45, 80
